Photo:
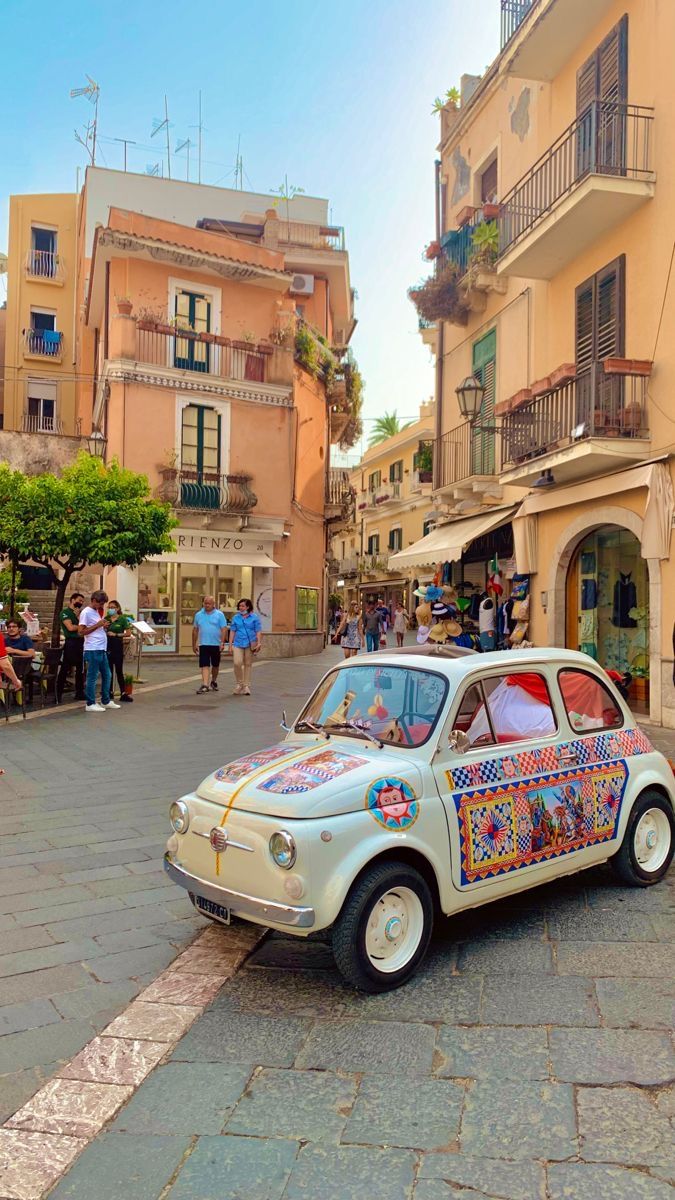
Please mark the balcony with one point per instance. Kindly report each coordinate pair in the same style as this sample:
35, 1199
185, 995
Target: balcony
466, 461
43, 343
347, 566
420, 483
592, 423
597, 173
339, 502
540, 36
32, 423
203, 491
373, 564
309, 236
45, 266
381, 496
206, 354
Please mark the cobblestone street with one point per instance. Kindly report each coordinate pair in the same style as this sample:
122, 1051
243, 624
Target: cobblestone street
532, 1057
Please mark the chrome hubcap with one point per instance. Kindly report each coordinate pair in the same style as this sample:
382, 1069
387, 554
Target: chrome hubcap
395, 928
651, 839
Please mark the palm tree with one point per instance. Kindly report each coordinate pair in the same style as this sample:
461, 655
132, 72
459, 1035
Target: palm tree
385, 427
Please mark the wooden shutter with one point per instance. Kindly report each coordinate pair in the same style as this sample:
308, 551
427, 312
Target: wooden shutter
483, 441
604, 76
488, 184
587, 84
584, 299
600, 320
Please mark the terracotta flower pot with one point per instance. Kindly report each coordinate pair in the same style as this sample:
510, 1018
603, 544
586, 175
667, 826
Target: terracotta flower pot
491, 211
207, 337
124, 307
540, 386
466, 215
563, 374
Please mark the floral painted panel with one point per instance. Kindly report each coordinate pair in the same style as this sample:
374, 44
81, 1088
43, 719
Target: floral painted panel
620, 743
241, 767
311, 772
532, 820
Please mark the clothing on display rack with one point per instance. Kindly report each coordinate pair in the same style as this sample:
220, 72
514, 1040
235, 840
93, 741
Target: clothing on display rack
625, 598
589, 593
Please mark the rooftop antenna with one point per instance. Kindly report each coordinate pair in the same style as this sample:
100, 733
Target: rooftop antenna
201, 128
125, 142
239, 168
157, 126
152, 169
185, 145
92, 91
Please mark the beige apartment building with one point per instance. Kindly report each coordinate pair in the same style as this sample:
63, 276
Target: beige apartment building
391, 489
553, 288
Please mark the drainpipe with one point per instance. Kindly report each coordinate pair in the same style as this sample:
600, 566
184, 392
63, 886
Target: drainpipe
439, 350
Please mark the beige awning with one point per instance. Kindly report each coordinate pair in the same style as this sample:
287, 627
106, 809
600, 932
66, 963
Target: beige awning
447, 543
225, 558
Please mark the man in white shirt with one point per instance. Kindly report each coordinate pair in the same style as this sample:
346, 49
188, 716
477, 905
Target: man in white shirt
93, 627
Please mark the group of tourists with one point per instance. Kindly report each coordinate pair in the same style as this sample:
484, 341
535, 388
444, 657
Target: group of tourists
93, 645
212, 636
367, 630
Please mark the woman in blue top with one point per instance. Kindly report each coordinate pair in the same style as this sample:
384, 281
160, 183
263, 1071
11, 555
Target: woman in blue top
245, 641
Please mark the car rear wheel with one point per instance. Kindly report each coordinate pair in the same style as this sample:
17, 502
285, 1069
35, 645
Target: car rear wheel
383, 931
649, 842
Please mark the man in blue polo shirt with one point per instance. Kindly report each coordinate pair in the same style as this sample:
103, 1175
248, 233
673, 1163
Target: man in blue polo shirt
208, 638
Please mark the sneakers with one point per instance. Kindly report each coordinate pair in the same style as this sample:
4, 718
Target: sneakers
111, 704
214, 686
95, 708
238, 691
247, 691
202, 691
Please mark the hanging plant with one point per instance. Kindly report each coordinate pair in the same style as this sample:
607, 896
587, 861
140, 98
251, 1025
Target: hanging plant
438, 298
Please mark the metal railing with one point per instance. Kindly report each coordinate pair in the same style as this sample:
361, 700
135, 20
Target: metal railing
207, 491
338, 487
315, 237
462, 453
458, 247
592, 405
348, 565
44, 264
32, 423
514, 13
187, 351
607, 139
420, 479
47, 342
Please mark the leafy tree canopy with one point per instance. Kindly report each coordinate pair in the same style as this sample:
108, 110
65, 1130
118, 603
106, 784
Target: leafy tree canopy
385, 427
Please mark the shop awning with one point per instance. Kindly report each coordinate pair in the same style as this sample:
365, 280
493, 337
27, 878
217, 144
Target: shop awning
448, 542
226, 558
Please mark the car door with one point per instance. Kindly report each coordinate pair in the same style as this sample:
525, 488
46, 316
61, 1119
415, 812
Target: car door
518, 800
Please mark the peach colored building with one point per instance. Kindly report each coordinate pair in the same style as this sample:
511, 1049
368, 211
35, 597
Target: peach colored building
556, 195
183, 335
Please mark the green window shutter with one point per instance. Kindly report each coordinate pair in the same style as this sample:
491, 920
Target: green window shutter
484, 368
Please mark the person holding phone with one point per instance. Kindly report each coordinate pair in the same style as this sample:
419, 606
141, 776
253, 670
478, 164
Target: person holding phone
245, 641
93, 627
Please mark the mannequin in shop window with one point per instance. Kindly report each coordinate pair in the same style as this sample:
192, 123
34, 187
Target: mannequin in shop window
625, 598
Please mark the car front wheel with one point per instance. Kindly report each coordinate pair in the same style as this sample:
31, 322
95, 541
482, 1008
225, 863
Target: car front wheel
383, 931
648, 844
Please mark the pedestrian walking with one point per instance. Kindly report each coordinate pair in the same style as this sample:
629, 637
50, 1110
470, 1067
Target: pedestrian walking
209, 632
117, 631
401, 619
372, 625
350, 630
93, 627
245, 641
382, 609
73, 646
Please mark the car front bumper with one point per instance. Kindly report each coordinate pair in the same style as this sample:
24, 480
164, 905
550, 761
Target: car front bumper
265, 912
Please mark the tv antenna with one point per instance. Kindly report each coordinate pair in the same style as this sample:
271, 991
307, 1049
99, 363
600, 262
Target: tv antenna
153, 169
200, 130
185, 145
125, 142
157, 127
92, 91
239, 167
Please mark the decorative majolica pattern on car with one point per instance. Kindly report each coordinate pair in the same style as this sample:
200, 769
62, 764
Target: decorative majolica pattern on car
240, 767
532, 820
623, 743
311, 772
393, 803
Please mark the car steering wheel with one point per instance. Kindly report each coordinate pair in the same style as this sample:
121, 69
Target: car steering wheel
403, 725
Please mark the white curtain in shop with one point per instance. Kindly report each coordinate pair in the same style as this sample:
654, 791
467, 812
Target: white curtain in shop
525, 541
658, 519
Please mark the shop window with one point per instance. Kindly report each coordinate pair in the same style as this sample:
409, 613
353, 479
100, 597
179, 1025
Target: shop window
157, 602
396, 471
513, 708
306, 608
374, 543
396, 539
587, 701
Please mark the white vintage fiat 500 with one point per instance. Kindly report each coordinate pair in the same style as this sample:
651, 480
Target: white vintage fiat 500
419, 783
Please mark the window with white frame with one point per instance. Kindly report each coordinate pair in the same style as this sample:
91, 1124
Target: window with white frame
396, 538
43, 257
40, 415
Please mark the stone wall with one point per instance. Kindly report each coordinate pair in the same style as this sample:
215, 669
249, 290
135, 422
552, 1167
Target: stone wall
37, 453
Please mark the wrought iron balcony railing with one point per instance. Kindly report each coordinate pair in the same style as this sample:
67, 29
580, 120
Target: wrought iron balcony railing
462, 453
44, 264
592, 405
33, 423
607, 139
514, 13
45, 342
315, 237
205, 491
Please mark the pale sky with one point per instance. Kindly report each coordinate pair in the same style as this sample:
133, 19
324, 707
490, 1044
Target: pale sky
337, 97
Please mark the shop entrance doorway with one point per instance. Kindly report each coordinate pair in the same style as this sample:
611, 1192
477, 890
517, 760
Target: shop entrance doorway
607, 606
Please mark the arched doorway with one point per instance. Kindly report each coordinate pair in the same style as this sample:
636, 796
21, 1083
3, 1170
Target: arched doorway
607, 605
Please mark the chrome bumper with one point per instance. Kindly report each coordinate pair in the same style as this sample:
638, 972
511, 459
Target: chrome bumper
240, 905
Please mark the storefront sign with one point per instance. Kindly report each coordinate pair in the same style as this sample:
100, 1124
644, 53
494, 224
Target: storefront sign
219, 545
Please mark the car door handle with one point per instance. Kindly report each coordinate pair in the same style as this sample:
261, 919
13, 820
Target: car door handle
567, 755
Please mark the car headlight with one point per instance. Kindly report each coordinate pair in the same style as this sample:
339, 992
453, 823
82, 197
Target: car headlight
179, 815
282, 849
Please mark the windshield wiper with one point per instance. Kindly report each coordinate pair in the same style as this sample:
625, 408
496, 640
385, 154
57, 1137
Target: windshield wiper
314, 728
360, 730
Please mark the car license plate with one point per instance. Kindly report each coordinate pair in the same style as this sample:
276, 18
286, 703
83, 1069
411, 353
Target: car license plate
217, 911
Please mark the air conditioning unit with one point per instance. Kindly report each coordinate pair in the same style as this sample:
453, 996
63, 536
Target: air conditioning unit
302, 285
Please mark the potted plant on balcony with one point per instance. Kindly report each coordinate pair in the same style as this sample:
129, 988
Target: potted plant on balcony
432, 251
124, 305
484, 244
438, 298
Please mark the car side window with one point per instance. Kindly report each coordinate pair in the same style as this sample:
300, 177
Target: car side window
473, 704
588, 703
517, 708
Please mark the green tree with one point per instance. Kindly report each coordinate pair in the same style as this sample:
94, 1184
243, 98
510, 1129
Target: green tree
385, 427
91, 514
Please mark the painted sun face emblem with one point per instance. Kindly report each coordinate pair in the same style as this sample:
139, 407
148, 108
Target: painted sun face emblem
393, 803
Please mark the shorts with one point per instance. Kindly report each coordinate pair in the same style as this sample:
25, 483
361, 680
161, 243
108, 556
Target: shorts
209, 656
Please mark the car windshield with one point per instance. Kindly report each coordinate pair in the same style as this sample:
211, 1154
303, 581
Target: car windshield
397, 705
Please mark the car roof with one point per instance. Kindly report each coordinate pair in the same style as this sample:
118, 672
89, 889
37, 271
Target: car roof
457, 666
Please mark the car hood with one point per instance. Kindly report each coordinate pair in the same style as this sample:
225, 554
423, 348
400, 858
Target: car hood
298, 780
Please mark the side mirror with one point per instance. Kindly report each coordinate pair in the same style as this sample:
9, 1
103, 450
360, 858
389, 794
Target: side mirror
458, 741
283, 723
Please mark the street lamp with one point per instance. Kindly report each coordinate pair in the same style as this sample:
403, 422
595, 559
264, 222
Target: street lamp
470, 395
96, 443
